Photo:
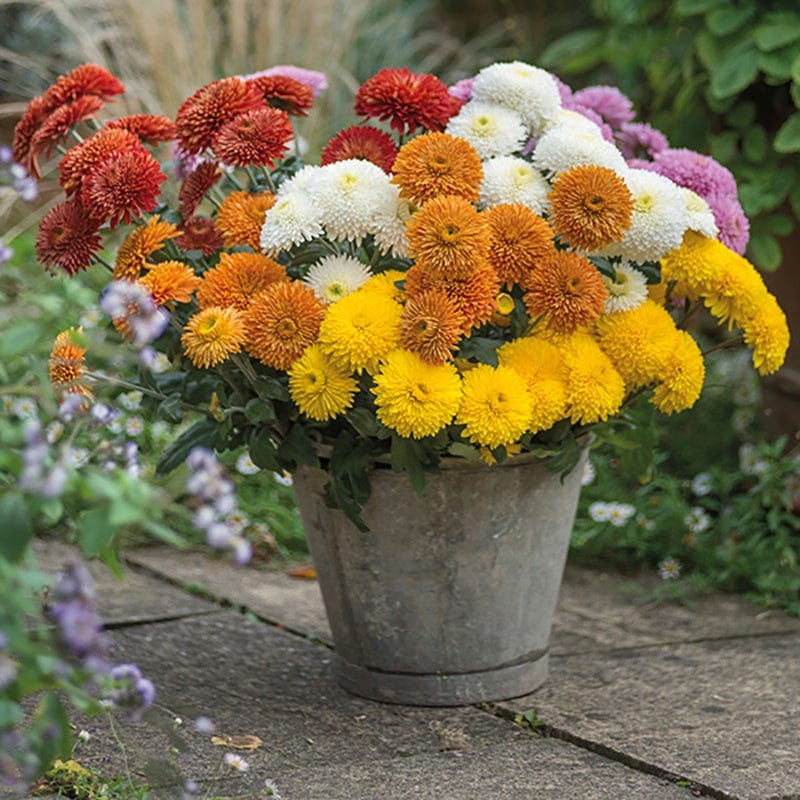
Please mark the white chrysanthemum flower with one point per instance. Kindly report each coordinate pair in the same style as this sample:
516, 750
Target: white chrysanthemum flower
351, 195
659, 218
336, 276
508, 179
576, 123
302, 181
628, 289
390, 229
293, 219
562, 148
530, 91
699, 214
492, 129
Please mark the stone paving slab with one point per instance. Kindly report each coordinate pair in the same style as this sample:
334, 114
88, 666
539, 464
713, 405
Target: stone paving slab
319, 742
726, 714
596, 610
136, 598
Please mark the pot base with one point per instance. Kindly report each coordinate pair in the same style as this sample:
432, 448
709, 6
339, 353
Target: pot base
404, 688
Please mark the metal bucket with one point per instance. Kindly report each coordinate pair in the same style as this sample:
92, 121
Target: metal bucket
449, 598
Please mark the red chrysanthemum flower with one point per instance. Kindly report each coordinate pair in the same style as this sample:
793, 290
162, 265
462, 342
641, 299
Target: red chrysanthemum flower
195, 186
79, 163
56, 127
285, 93
26, 128
199, 233
255, 137
201, 116
85, 79
407, 99
67, 238
124, 186
148, 127
364, 142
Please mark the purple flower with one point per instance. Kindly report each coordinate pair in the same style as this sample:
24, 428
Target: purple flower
563, 89
462, 90
316, 81
734, 227
132, 691
6, 154
695, 171
638, 140
74, 583
132, 303
79, 627
607, 101
5, 253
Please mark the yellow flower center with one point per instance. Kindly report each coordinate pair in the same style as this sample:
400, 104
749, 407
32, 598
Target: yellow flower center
644, 203
420, 392
206, 327
286, 328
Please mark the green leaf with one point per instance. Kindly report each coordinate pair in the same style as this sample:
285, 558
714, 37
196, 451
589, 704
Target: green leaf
481, 348
777, 29
16, 528
765, 252
170, 410
406, 458
19, 339
365, 422
463, 450
575, 52
778, 64
204, 433
297, 448
51, 714
272, 388
794, 199
263, 451
95, 530
796, 69
10, 713
725, 21
689, 8
259, 411
795, 92
162, 532
755, 144
735, 71
787, 140
349, 487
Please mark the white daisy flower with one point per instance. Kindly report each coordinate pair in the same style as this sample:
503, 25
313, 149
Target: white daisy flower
91, 317
390, 229
669, 569
492, 129
54, 431
294, 218
351, 195
600, 512
530, 91
749, 462
237, 520
628, 289
131, 400
563, 147
741, 420
746, 391
697, 520
134, 426
24, 407
336, 276
245, 465
658, 221
702, 484
283, 478
620, 513
78, 456
645, 522
700, 217
236, 761
508, 179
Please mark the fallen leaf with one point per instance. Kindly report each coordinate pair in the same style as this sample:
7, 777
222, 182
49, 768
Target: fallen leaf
308, 573
237, 742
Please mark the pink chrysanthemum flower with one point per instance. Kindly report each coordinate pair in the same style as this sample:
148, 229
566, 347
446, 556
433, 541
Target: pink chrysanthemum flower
607, 101
462, 90
638, 140
734, 227
702, 174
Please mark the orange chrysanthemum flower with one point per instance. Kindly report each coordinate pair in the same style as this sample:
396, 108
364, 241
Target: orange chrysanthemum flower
139, 245
566, 291
66, 365
171, 282
148, 127
237, 279
475, 296
195, 186
57, 126
124, 186
285, 93
448, 237
241, 217
590, 206
282, 321
438, 164
79, 163
519, 239
67, 238
213, 334
407, 99
199, 233
201, 116
431, 326
256, 137
364, 142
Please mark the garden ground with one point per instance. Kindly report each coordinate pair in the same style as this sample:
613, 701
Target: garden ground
644, 700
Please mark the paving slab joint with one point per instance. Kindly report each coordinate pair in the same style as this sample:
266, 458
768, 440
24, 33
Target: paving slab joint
530, 720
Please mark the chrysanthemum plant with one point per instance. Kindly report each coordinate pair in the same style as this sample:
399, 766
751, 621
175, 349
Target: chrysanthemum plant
470, 272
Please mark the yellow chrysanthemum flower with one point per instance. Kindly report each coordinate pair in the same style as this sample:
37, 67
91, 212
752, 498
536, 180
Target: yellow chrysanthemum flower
496, 407
321, 389
595, 390
682, 376
540, 363
212, 334
637, 342
766, 333
360, 329
692, 262
415, 398
736, 291
385, 283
